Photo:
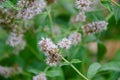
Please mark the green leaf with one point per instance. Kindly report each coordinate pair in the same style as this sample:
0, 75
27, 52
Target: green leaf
67, 6
64, 64
116, 11
101, 51
55, 72
35, 71
41, 19
117, 56
3, 34
93, 69
9, 4
95, 15
14, 1
112, 66
76, 61
114, 76
72, 61
106, 4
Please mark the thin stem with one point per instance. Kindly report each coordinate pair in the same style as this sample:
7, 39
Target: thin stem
115, 3
76, 51
26, 74
75, 68
83, 63
112, 2
50, 19
34, 52
109, 16
46, 69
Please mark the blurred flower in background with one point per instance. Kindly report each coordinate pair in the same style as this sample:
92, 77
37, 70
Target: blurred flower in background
40, 76
28, 9
47, 37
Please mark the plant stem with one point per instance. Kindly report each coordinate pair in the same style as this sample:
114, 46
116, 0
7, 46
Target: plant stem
74, 68
26, 74
50, 19
34, 52
76, 51
115, 3
83, 63
46, 69
109, 16
112, 2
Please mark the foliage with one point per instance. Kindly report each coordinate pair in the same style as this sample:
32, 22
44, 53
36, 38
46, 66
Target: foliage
54, 22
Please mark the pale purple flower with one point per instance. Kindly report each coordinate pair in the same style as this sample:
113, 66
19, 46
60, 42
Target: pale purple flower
94, 27
65, 43
16, 41
83, 5
80, 17
75, 38
10, 71
40, 76
28, 9
48, 46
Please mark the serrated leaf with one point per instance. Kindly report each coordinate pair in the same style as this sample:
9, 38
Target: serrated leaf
72, 61
34, 71
106, 4
67, 5
9, 4
76, 61
93, 69
64, 63
95, 15
112, 66
116, 11
41, 19
14, 1
55, 72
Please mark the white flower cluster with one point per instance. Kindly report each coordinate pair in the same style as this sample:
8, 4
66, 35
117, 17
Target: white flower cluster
41, 76
80, 17
30, 8
94, 27
75, 38
51, 51
83, 5
53, 60
101, 25
5, 71
16, 41
48, 46
9, 71
65, 43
